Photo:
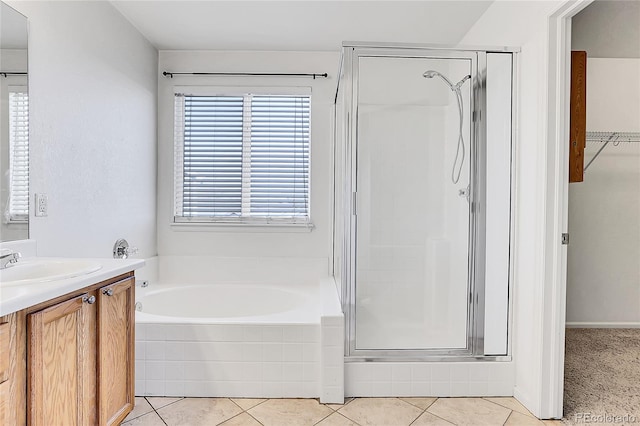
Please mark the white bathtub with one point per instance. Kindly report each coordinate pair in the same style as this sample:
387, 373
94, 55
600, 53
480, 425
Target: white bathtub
238, 302
240, 339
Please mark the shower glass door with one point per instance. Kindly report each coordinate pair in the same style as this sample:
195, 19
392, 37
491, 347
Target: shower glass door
414, 158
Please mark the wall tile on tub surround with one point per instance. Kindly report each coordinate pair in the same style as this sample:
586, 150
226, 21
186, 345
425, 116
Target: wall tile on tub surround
210, 269
228, 360
443, 379
332, 359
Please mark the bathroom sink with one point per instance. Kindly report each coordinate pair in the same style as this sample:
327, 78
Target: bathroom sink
39, 271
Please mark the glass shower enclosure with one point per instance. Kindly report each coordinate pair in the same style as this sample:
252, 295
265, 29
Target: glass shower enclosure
411, 253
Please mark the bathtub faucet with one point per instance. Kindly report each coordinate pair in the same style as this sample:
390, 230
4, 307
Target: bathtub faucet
9, 258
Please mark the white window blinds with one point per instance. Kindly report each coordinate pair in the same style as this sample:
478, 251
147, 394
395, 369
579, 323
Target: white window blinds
242, 158
18, 206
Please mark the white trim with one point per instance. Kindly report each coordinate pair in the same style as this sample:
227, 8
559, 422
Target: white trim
242, 227
578, 324
551, 370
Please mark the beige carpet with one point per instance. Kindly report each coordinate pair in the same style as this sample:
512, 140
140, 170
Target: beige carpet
602, 375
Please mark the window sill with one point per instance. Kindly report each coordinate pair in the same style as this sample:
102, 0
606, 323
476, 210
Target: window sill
243, 227
16, 222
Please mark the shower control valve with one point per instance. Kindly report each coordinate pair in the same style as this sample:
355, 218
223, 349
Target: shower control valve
464, 192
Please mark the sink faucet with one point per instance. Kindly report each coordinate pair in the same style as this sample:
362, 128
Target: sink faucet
8, 258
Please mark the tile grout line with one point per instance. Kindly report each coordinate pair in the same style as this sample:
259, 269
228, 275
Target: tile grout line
332, 412
507, 419
434, 401
412, 405
239, 414
426, 410
247, 410
156, 411
351, 420
423, 411
441, 418
238, 405
335, 412
508, 408
250, 415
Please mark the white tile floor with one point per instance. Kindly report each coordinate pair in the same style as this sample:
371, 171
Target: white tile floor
153, 411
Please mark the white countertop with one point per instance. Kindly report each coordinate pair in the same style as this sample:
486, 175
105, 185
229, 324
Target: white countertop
16, 298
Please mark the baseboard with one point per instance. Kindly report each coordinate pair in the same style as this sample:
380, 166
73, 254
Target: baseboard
578, 324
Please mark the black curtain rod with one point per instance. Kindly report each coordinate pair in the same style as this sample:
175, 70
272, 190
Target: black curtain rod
8, 73
248, 74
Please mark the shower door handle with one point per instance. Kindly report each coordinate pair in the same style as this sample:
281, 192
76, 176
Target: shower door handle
354, 203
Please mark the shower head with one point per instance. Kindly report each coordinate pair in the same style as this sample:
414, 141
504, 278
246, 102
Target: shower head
453, 87
433, 73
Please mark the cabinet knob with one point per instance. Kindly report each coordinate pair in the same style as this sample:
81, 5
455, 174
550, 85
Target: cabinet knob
108, 292
89, 299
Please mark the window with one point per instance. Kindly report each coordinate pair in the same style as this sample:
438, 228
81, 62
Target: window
18, 206
242, 159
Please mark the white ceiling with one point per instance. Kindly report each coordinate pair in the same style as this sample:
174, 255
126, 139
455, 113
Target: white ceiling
297, 25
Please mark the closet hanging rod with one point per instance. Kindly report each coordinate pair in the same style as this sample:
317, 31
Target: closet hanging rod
248, 74
6, 74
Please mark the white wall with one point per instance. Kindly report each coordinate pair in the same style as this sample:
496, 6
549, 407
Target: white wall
608, 29
603, 282
92, 81
10, 60
525, 24
249, 242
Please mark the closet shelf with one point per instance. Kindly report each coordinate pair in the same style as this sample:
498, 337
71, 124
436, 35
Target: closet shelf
606, 137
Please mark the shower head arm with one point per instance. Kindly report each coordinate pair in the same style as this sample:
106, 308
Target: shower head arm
461, 82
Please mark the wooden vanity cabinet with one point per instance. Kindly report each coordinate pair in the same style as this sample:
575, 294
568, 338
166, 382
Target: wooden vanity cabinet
116, 322
79, 362
61, 363
13, 369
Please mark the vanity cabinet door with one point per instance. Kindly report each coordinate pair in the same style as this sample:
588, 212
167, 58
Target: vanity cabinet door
61, 363
13, 369
116, 322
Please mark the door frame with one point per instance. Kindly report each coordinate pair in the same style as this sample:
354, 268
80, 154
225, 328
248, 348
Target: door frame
554, 292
